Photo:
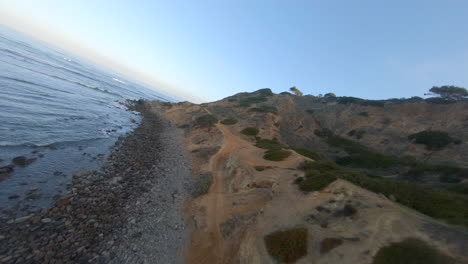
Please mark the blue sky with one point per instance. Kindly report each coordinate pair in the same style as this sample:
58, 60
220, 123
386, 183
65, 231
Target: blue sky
213, 49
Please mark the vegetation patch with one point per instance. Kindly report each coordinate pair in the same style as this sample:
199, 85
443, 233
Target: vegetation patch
308, 153
264, 109
323, 133
277, 155
246, 99
461, 188
364, 114
433, 139
262, 168
271, 144
440, 204
316, 180
360, 156
360, 101
329, 243
410, 250
202, 184
287, 246
183, 126
310, 111
229, 121
206, 120
250, 131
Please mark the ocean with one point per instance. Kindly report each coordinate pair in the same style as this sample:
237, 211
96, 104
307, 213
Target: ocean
62, 113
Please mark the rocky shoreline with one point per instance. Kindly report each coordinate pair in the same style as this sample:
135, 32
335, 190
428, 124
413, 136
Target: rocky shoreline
129, 212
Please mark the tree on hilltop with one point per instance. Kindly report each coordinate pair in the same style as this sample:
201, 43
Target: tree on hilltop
296, 91
449, 92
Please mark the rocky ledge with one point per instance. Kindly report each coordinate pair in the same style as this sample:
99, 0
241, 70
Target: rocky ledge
129, 212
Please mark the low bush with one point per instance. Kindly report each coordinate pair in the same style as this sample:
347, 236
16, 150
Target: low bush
259, 96
308, 153
262, 168
440, 204
411, 250
202, 184
310, 111
229, 121
323, 133
439, 100
271, 144
287, 246
250, 131
365, 114
183, 126
316, 181
360, 156
360, 101
206, 120
277, 155
461, 188
432, 139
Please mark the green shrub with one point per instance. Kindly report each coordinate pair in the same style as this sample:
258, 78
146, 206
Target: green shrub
439, 100
202, 184
365, 114
229, 121
439, 204
206, 120
432, 139
461, 188
361, 156
271, 144
287, 246
264, 109
262, 168
183, 126
248, 101
323, 133
355, 100
316, 181
310, 111
250, 131
447, 178
308, 153
277, 155
410, 250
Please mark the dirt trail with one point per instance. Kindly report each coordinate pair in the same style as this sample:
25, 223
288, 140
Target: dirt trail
209, 246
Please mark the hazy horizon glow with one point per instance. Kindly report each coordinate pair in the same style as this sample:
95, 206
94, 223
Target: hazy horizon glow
207, 50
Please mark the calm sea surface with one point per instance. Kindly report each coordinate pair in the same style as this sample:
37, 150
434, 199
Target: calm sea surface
60, 110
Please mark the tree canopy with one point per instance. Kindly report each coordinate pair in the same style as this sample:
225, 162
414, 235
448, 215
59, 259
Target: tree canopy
329, 95
296, 91
450, 92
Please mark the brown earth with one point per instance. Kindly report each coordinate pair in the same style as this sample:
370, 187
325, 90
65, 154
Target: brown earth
243, 205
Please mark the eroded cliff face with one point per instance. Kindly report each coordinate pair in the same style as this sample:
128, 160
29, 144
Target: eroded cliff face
242, 197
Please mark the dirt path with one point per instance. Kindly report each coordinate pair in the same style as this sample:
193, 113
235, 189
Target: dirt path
209, 246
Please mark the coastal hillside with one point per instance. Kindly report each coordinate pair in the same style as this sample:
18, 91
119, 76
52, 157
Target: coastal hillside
298, 179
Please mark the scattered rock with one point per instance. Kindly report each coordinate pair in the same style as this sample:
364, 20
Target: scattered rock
14, 196
20, 219
46, 220
23, 161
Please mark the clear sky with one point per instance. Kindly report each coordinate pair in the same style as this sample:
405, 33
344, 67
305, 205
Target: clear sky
212, 49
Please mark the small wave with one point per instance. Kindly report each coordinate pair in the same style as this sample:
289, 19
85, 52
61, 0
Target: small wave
117, 80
